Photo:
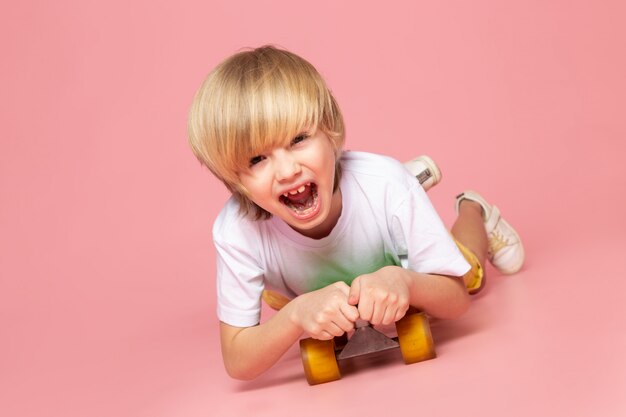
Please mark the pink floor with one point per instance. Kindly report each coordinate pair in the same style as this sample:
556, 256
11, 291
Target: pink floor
106, 263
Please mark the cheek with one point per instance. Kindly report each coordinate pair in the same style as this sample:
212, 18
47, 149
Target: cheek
326, 158
331, 164
251, 188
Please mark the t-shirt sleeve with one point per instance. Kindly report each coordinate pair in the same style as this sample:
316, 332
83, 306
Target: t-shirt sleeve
239, 282
420, 234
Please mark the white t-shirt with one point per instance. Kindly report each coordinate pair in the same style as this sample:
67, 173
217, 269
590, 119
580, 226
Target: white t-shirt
386, 219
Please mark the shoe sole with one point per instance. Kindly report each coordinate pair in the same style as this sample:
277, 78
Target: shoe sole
432, 171
518, 266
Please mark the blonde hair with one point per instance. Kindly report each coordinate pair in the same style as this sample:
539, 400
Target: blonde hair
257, 100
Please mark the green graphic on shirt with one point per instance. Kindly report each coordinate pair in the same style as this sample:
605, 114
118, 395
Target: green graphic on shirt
334, 272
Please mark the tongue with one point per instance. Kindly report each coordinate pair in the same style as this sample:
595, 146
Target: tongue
301, 198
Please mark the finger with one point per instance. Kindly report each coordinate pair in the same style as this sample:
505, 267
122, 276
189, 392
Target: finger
350, 312
343, 287
366, 308
378, 314
334, 329
323, 335
401, 312
343, 324
390, 315
355, 290
327, 331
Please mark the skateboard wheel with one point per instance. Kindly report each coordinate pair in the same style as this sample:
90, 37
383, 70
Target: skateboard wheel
415, 338
319, 361
274, 299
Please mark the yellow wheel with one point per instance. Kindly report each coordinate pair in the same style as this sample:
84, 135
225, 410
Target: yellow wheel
319, 361
415, 339
274, 299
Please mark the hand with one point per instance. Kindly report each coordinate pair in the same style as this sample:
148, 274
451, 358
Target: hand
382, 296
325, 313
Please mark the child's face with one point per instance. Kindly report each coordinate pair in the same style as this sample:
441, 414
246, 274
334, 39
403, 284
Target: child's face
295, 183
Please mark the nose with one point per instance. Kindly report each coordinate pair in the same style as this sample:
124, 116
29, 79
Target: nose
286, 166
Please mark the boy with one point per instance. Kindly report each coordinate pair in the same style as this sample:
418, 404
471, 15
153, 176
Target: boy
339, 235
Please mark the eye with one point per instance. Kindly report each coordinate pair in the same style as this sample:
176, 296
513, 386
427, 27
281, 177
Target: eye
299, 138
256, 159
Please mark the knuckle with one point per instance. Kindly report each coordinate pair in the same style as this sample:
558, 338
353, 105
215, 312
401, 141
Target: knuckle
340, 285
326, 312
315, 329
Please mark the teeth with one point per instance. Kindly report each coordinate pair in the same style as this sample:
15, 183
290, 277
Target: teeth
299, 190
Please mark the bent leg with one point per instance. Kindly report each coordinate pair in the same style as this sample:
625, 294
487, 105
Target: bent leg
469, 230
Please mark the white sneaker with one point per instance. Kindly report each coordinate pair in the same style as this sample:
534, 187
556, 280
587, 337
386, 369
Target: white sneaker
425, 170
506, 251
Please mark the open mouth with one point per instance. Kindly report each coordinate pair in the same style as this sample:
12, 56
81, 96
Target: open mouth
301, 201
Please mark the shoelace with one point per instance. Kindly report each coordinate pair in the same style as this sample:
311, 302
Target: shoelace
496, 242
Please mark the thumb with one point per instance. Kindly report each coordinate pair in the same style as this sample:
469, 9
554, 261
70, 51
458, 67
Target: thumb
355, 291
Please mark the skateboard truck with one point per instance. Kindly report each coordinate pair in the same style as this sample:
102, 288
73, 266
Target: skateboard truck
365, 340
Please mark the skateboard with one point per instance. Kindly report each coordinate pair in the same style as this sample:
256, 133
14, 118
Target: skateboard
320, 358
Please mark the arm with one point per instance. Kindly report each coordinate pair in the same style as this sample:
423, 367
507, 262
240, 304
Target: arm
249, 351
384, 296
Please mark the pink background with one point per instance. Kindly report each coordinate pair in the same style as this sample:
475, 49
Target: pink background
106, 289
